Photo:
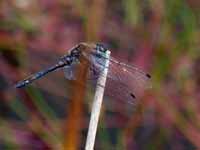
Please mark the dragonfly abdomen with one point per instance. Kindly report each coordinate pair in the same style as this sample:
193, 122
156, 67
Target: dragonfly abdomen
38, 75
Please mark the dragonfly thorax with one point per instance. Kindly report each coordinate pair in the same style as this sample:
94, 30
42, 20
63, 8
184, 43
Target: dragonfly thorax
75, 52
67, 60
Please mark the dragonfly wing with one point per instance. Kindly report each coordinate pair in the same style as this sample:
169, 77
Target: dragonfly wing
69, 70
120, 92
129, 81
95, 68
125, 82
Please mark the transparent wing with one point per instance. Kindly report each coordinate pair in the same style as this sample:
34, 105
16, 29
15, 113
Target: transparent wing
69, 71
124, 82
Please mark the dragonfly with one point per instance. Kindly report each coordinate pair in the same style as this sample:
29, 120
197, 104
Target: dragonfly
124, 82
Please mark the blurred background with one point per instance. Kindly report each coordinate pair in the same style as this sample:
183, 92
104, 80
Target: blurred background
159, 36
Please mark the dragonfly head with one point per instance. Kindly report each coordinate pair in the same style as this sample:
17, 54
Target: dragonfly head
100, 51
101, 48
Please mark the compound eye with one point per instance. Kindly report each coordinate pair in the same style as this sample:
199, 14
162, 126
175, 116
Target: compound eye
101, 47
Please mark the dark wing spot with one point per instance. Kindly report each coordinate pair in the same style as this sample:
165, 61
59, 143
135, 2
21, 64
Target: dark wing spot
148, 75
132, 95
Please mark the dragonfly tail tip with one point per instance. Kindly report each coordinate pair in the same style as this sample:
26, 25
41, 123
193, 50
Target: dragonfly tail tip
19, 85
16, 86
